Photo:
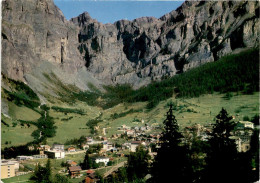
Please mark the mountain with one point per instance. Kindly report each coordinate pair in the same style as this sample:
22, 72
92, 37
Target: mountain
37, 41
147, 48
39, 44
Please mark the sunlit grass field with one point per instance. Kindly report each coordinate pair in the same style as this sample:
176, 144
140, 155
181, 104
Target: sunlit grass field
188, 111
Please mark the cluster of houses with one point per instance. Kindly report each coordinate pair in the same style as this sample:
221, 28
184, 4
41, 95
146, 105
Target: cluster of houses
134, 131
241, 133
136, 136
74, 170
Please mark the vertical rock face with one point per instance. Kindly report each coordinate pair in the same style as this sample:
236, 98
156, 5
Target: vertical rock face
135, 52
148, 49
34, 31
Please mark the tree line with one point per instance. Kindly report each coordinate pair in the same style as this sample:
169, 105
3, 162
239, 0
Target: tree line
233, 73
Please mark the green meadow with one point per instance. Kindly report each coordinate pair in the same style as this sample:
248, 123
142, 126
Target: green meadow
188, 111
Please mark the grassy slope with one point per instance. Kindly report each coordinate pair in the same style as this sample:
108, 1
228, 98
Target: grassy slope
22, 178
207, 106
18, 135
247, 105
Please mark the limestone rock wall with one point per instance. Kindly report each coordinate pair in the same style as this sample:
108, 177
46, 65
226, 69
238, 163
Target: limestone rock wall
148, 49
135, 52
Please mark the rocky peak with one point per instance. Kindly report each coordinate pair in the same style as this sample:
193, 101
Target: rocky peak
135, 52
37, 39
148, 49
82, 19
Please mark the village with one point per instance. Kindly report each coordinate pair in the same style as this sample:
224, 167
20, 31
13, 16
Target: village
110, 153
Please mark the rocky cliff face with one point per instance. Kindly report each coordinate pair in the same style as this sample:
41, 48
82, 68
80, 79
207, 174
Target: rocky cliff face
33, 31
36, 38
148, 49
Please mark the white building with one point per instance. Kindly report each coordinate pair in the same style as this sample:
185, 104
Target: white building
40, 156
55, 154
58, 147
134, 145
22, 158
247, 124
104, 160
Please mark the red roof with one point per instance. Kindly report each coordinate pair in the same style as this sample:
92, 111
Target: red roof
72, 163
90, 171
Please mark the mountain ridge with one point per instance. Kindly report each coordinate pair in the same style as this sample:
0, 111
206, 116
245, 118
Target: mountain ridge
37, 39
155, 48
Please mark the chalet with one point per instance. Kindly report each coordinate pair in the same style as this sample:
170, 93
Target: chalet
31, 148
91, 179
130, 132
74, 171
71, 149
71, 163
90, 172
101, 159
45, 147
108, 146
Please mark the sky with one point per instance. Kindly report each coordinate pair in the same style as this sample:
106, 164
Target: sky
110, 11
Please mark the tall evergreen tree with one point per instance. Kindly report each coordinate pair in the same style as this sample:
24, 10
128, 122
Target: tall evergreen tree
254, 156
222, 155
47, 176
42, 174
172, 163
87, 163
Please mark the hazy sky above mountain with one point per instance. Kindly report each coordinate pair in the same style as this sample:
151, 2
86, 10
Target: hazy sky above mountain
111, 11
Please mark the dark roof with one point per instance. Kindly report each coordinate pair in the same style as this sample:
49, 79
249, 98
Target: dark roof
92, 176
74, 168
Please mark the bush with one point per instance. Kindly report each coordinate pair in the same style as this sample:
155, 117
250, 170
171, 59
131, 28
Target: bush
228, 96
246, 118
68, 110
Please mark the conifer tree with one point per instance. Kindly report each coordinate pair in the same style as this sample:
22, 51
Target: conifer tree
87, 163
222, 155
42, 174
47, 176
172, 163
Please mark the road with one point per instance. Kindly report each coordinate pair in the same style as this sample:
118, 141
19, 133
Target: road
114, 168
